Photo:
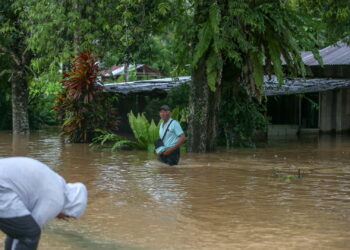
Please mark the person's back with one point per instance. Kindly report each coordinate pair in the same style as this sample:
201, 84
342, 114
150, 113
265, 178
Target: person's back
31, 194
39, 188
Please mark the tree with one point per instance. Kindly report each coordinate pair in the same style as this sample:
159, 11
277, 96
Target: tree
60, 29
13, 46
240, 39
130, 26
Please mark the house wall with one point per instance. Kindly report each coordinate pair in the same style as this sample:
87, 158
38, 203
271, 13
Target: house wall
335, 110
334, 115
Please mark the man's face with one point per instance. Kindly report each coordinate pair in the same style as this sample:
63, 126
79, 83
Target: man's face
164, 115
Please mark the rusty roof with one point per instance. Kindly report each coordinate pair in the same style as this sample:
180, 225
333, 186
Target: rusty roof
336, 54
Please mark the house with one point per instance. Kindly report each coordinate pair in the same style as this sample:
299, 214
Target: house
319, 103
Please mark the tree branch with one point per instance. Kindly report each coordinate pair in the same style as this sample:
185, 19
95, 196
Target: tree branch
5, 72
24, 55
10, 53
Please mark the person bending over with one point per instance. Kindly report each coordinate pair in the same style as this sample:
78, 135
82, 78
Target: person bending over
31, 195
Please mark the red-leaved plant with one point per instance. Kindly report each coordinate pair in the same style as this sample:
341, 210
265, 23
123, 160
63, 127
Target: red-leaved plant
82, 106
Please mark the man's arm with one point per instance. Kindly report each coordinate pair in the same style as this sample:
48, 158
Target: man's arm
180, 141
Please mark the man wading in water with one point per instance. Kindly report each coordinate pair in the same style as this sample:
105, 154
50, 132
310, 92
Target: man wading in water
172, 137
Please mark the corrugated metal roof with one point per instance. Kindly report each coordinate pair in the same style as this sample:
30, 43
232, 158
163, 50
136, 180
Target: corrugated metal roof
271, 86
337, 54
164, 84
301, 85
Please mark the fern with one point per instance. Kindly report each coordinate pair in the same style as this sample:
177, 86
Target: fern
145, 132
110, 140
212, 70
121, 143
205, 38
275, 52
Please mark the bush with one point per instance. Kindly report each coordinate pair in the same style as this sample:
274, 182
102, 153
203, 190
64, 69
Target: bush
42, 95
81, 105
241, 118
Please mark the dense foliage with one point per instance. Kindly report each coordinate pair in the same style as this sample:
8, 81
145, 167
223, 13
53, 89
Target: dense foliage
5, 106
5, 95
334, 16
241, 119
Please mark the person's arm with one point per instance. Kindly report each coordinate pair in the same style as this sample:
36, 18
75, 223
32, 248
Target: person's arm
180, 141
46, 210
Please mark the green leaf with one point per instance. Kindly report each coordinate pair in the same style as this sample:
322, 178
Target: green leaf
204, 40
212, 70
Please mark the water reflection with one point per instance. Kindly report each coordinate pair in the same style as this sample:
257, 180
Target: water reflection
226, 200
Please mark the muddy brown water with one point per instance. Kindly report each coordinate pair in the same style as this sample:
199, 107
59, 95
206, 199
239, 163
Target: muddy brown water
232, 199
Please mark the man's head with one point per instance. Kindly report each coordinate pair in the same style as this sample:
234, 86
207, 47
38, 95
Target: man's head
165, 112
76, 200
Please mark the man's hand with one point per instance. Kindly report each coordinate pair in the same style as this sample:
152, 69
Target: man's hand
62, 216
168, 151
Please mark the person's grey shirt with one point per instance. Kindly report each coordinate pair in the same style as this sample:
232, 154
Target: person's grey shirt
28, 186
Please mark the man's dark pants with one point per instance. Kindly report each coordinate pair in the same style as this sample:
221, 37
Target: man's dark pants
24, 229
172, 159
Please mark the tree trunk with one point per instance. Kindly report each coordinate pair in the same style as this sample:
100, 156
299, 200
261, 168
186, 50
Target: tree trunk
20, 123
204, 103
203, 112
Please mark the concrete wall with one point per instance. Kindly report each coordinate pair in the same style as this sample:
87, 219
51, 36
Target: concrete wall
335, 110
282, 130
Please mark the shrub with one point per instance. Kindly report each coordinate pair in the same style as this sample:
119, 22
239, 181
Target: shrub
42, 94
241, 119
82, 105
145, 132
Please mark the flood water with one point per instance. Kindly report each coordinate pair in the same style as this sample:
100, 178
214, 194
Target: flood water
233, 199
